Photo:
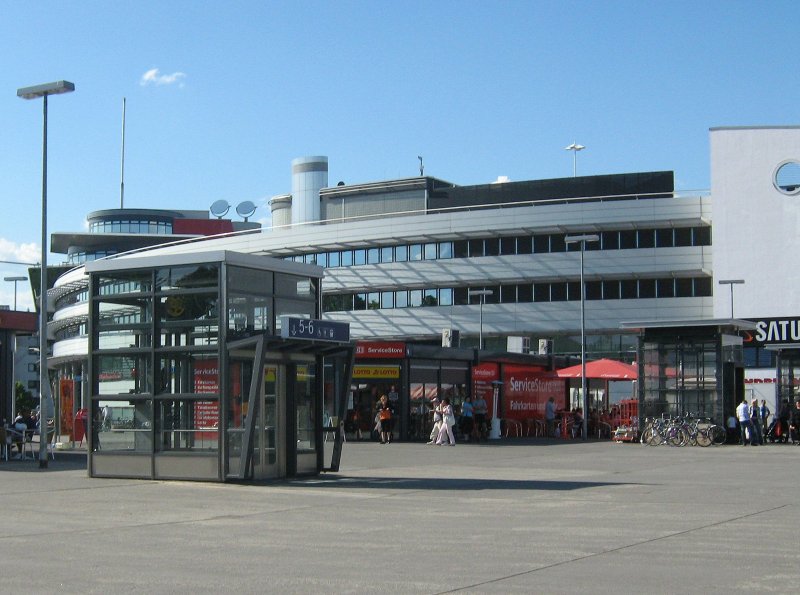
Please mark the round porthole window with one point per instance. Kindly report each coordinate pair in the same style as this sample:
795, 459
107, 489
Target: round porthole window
787, 178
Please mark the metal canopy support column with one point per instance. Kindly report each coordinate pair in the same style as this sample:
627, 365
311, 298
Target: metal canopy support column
256, 380
349, 356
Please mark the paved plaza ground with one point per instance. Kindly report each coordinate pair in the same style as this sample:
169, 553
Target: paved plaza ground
512, 516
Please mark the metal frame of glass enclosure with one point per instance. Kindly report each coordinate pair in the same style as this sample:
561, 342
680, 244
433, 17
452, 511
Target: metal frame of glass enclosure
787, 387
189, 377
690, 367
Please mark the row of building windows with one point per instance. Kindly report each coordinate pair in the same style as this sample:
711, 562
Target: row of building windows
620, 289
77, 258
131, 226
626, 239
535, 244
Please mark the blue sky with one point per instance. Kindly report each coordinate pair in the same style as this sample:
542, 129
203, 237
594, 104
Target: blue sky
237, 89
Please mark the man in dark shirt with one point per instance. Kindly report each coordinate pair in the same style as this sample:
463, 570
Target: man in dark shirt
783, 419
794, 425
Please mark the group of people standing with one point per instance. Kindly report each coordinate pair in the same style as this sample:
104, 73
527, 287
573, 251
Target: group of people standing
754, 427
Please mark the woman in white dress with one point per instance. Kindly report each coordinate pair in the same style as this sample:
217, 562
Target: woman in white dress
448, 421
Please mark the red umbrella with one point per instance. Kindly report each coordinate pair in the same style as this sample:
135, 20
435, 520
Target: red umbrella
607, 369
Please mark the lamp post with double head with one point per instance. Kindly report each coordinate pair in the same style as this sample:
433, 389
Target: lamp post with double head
15, 280
45, 406
731, 282
582, 239
574, 147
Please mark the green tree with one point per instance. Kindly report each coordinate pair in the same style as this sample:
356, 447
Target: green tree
23, 398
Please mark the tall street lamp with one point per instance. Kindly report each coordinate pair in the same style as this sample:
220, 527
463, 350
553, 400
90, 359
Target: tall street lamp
574, 147
482, 293
731, 282
45, 405
494, 432
15, 280
585, 397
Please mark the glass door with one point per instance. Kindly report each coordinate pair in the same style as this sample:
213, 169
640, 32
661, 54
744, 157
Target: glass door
238, 402
269, 456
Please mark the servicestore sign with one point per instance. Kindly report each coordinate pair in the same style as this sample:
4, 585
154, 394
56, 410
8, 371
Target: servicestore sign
527, 390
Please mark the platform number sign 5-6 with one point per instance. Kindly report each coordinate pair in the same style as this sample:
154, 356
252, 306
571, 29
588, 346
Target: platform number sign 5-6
314, 330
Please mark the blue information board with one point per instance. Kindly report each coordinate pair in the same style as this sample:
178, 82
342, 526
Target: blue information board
314, 330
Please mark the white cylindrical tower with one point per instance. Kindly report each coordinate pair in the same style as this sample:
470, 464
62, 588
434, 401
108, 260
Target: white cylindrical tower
309, 176
281, 209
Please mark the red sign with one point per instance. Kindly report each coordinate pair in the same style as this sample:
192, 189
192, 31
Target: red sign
526, 390
206, 413
379, 349
67, 391
206, 417
206, 376
482, 377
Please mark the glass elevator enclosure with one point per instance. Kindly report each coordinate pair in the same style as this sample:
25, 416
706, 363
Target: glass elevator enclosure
190, 377
691, 367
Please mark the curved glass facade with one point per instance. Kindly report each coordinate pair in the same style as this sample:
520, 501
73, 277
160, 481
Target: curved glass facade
137, 225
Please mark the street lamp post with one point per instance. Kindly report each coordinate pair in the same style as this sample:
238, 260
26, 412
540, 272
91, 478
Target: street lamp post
15, 280
731, 282
35, 92
482, 293
494, 432
582, 239
574, 147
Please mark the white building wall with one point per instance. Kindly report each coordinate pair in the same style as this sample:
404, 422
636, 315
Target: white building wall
755, 226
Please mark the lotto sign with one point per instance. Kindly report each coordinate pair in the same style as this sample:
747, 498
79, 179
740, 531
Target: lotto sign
376, 371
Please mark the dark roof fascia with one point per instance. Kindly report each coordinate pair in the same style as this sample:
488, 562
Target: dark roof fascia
254, 261
736, 324
161, 214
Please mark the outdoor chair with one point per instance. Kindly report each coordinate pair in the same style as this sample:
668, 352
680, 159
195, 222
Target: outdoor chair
5, 442
34, 444
515, 424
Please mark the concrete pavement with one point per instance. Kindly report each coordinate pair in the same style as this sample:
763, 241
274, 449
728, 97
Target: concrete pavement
512, 516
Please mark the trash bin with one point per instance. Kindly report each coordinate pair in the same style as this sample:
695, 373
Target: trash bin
79, 429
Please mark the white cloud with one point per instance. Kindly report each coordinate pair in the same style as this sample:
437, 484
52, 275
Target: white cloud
11, 251
19, 252
154, 77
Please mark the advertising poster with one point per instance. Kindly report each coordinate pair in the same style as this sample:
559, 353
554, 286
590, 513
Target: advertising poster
206, 413
482, 377
67, 391
527, 389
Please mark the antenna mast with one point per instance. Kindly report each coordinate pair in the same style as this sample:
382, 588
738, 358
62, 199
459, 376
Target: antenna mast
122, 166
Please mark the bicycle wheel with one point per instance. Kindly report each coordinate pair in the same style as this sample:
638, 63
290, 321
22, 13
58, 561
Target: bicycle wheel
677, 437
691, 436
717, 434
702, 438
652, 437
645, 433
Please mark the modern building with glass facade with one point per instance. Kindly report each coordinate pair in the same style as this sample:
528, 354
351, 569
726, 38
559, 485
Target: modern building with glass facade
403, 259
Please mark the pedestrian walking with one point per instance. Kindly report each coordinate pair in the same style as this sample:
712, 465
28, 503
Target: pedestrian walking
437, 420
448, 421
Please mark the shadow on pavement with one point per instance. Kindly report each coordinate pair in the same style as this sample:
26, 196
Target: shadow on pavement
64, 461
428, 483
